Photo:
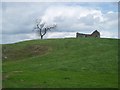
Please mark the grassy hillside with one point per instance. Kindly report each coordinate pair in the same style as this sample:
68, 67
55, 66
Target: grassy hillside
58, 63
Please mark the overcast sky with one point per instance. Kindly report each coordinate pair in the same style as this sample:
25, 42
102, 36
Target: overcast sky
18, 19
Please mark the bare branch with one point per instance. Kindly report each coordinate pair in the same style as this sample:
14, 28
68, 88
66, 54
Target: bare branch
41, 27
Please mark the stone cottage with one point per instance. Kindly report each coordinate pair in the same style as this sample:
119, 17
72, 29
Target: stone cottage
95, 34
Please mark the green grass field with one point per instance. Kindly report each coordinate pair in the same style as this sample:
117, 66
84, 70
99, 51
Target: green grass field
61, 63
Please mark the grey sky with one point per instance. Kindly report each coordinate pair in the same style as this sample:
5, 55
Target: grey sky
18, 19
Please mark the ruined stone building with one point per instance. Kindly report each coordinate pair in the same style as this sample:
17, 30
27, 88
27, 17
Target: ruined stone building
95, 34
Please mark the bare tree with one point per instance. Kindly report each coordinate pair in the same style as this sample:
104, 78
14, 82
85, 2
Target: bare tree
42, 28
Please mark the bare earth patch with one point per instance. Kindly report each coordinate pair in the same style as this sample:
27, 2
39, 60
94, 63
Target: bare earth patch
28, 51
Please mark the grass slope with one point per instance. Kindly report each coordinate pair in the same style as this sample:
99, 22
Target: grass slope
61, 63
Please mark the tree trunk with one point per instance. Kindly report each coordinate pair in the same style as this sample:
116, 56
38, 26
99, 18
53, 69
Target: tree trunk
41, 36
